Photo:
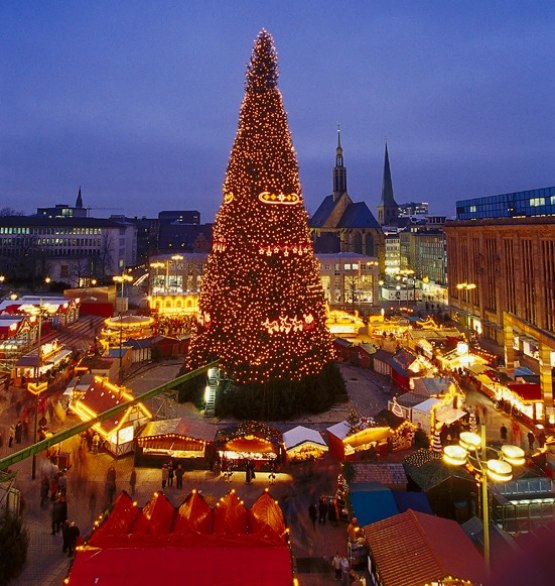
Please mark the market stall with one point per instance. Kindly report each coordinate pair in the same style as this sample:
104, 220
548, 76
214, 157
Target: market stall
53, 357
302, 443
118, 432
524, 399
352, 441
187, 440
250, 440
194, 543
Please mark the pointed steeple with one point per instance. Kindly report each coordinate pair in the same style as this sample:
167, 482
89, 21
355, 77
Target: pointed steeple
339, 171
388, 210
79, 201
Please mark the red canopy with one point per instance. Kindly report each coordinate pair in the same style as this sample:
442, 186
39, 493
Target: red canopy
230, 545
527, 391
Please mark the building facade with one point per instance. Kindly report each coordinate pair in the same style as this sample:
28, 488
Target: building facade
502, 265
70, 250
519, 204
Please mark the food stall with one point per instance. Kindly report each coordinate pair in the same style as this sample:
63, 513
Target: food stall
302, 443
118, 432
250, 440
187, 440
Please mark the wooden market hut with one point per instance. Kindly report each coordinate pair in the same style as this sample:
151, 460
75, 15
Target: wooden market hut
119, 431
302, 443
351, 443
441, 547
250, 440
186, 440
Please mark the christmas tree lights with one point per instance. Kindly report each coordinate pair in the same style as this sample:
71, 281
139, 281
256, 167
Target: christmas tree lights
262, 305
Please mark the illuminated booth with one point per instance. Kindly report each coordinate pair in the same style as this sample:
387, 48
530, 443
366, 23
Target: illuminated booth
118, 432
352, 441
302, 443
250, 440
187, 440
53, 356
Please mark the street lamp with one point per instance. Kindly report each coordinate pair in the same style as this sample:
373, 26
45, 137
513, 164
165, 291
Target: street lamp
471, 451
174, 258
398, 295
123, 278
466, 287
156, 265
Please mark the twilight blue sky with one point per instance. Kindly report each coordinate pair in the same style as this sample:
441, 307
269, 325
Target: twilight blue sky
138, 101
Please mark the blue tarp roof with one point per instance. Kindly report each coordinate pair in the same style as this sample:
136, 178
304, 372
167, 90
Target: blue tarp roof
417, 501
371, 502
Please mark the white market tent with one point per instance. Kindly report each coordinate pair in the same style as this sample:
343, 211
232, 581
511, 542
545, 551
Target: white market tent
422, 413
303, 443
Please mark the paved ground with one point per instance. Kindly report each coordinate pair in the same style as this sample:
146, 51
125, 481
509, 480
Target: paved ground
296, 487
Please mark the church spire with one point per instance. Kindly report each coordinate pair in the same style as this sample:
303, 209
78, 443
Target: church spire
388, 210
79, 201
339, 171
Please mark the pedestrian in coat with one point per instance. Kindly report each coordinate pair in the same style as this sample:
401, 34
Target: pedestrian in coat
332, 511
164, 475
503, 432
313, 514
336, 563
531, 440
179, 476
59, 514
73, 535
44, 488
11, 435
65, 536
170, 474
18, 432
133, 481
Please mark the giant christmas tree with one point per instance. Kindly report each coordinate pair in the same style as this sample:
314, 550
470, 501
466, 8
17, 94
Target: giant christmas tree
262, 306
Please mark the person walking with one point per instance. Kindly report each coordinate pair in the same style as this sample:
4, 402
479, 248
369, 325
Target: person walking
18, 431
11, 433
179, 476
164, 475
313, 514
72, 537
531, 440
133, 481
503, 432
65, 536
170, 474
111, 484
336, 564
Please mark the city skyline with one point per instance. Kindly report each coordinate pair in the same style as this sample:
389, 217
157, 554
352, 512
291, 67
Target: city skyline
138, 104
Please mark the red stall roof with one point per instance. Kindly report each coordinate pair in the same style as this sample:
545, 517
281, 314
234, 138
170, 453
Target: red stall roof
161, 544
527, 391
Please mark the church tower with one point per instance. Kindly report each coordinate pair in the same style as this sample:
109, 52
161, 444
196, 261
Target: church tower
339, 171
79, 201
388, 210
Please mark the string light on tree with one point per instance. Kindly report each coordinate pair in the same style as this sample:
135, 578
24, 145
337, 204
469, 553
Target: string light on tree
262, 304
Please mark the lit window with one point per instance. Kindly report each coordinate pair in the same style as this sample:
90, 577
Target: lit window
537, 201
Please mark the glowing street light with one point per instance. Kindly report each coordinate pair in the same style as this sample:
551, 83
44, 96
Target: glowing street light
123, 278
471, 451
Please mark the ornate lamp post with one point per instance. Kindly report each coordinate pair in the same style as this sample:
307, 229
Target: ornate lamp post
156, 265
471, 451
